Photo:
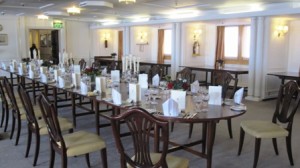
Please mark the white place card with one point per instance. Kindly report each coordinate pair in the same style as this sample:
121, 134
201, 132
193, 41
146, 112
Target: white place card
179, 96
134, 92
143, 80
20, 70
170, 108
215, 95
238, 96
76, 68
57, 73
155, 80
116, 96
31, 74
84, 88
76, 79
115, 76
100, 84
44, 78
61, 82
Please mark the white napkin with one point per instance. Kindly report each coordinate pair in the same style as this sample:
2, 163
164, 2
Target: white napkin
31, 74
195, 87
84, 88
215, 95
238, 96
104, 72
100, 84
115, 76
76, 68
179, 97
14, 63
11, 68
61, 82
76, 79
3, 65
170, 108
116, 96
143, 80
155, 80
57, 73
20, 69
134, 92
44, 78
43, 69
31, 67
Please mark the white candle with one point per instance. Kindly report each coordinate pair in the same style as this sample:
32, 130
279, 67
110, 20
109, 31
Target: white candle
126, 65
130, 62
138, 65
123, 64
134, 64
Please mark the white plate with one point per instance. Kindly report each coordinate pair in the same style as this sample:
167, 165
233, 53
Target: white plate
238, 108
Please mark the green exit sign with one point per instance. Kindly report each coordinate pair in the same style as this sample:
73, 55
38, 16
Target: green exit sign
57, 25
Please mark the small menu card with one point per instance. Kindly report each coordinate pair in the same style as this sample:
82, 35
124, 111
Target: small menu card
57, 73
179, 97
115, 76
84, 88
116, 96
134, 92
76, 79
143, 80
44, 78
238, 96
155, 80
170, 108
195, 87
215, 95
76, 68
100, 84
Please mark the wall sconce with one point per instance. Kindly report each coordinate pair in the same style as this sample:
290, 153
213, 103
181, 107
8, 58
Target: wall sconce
197, 34
106, 36
142, 38
281, 30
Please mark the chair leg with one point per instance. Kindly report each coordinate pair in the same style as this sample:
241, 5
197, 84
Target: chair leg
204, 132
37, 148
229, 128
52, 157
18, 131
172, 126
29, 135
275, 145
64, 160
87, 158
256, 153
242, 136
104, 158
289, 149
13, 124
3, 115
191, 130
6, 118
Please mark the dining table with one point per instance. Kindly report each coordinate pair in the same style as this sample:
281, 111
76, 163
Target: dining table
286, 76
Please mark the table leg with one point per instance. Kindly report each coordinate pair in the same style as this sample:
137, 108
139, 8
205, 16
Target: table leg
210, 138
73, 99
206, 78
282, 80
33, 91
55, 96
96, 109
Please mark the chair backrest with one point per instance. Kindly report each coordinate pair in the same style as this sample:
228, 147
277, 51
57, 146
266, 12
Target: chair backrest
96, 65
25, 99
156, 69
82, 64
70, 61
141, 124
187, 74
287, 103
2, 93
49, 114
11, 96
223, 78
111, 66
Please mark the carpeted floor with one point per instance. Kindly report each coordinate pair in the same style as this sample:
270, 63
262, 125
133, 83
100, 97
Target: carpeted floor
224, 151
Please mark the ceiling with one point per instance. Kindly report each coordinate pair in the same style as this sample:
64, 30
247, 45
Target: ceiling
155, 9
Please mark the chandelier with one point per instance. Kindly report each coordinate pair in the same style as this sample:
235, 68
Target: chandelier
73, 10
127, 1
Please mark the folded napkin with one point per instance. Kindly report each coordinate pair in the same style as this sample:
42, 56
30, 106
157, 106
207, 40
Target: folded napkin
171, 108
84, 89
179, 97
100, 84
155, 80
134, 92
238, 96
44, 78
195, 87
57, 73
11, 68
116, 96
104, 72
215, 95
3, 65
143, 80
115, 76
76, 79
31, 74
61, 82
76, 68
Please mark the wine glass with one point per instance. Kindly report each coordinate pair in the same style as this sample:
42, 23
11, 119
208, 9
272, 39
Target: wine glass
205, 99
197, 99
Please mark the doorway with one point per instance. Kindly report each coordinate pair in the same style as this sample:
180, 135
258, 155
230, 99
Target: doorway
47, 42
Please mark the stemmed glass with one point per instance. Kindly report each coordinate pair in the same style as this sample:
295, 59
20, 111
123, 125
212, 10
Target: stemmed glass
197, 99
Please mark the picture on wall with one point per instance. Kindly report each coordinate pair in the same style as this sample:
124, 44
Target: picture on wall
196, 48
3, 39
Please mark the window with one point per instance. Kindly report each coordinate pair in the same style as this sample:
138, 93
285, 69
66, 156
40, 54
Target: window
237, 44
167, 50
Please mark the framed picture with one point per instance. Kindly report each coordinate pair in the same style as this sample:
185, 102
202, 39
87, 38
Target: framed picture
3, 39
196, 48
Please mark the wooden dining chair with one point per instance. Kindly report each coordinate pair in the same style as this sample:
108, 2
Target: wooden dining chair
68, 145
142, 125
5, 106
82, 64
154, 70
288, 101
37, 125
111, 66
186, 74
96, 65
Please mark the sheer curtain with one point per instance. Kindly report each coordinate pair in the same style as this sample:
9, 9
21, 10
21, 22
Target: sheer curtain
160, 54
220, 44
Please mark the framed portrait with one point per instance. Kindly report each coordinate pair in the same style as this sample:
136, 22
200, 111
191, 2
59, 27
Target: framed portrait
3, 39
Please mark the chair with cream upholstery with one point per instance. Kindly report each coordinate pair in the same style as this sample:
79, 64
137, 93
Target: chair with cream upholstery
141, 124
37, 125
186, 74
281, 125
68, 145
4, 105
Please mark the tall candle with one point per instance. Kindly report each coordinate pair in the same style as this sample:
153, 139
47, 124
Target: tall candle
123, 64
130, 62
138, 65
134, 64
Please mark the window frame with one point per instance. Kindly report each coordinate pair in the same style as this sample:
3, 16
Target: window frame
168, 56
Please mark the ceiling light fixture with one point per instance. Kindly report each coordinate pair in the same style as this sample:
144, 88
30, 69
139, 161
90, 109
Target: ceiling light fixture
145, 19
127, 1
73, 10
43, 17
181, 14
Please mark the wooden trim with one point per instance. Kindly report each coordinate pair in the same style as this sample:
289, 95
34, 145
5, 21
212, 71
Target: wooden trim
167, 57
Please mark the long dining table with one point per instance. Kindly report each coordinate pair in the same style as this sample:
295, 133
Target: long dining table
209, 118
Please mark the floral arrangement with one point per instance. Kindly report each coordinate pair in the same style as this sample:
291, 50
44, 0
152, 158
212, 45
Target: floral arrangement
91, 71
178, 84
